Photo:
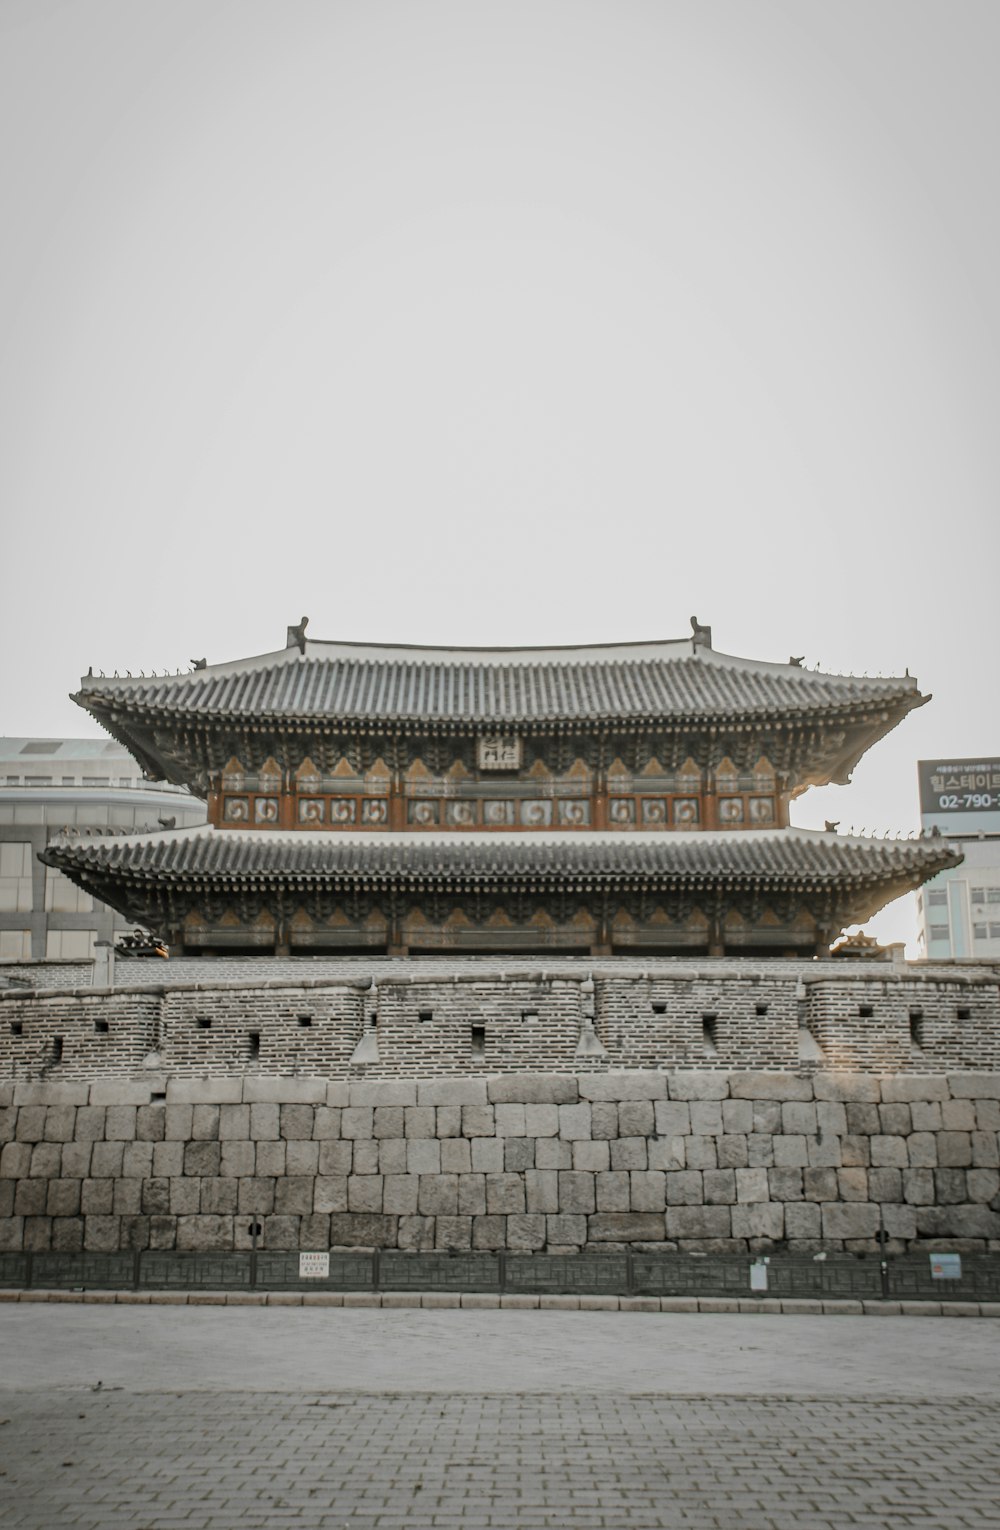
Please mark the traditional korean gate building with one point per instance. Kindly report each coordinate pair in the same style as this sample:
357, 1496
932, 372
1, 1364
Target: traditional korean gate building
626, 798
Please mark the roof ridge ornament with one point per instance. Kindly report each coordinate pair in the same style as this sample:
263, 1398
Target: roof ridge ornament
296, 637
701, 635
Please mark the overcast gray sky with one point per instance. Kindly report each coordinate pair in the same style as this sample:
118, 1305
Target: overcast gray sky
505, 322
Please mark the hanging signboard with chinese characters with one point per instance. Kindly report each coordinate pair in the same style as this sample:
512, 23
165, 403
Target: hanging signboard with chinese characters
498, 751
959, 786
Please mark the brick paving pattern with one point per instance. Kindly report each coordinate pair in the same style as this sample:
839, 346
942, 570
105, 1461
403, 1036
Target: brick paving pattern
356, 1461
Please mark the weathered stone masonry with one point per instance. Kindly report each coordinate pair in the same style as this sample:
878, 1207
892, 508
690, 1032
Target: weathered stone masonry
687, 1160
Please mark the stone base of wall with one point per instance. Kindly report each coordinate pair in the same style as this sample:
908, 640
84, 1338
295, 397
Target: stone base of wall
690, 1160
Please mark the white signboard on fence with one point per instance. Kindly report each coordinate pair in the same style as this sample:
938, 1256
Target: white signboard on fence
314, 1266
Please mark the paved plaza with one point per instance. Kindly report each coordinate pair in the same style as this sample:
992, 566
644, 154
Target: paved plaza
150, 1418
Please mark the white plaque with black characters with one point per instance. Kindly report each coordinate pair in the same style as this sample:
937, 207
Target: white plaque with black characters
498, 751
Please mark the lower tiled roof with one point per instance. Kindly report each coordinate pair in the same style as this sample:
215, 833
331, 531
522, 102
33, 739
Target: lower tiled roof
797, 858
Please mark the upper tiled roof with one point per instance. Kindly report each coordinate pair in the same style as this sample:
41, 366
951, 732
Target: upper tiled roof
631, 683
797, 858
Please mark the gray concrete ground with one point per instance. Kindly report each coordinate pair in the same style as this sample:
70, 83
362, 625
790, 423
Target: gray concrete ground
150, 1418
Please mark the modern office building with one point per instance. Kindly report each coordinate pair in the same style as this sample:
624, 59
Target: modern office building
959, 909
84, 785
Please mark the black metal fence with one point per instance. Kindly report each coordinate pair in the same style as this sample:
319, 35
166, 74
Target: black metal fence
897, 1277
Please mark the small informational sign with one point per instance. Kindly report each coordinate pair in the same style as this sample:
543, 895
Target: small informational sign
959, 786
758, 1275
946, 1266
314, 1266
498, 751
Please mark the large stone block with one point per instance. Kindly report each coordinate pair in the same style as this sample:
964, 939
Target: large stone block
155, 1197
799, 1117
487, 1155
296, 1123
623, 1086
770, 1086
106, 1160
334, 1157
983, 1185
205, 1121
119, 1123
270, 1159
850, 1220
698, 1086
453, 1232
566, 1230
765, 1219
648, 1190
731, 1151
356, 1231
96, 1197
423, 1155
30, 1123
46, 1158
698, 1222
63, 1199
950, 1186
326, 1122
591, 1157
205, 1232
509, 1120
382, 1091
301, 1158
666, 1153
102, 1235
215, 1090
852, 1184
574, 1122
542, 1190
985, 1149
626, 1227
859, 1088
218, 1196
957, 1222
784, 1184
550, 1153
452, 1091
751, 1185
272, 1090
889, 1153
478, 1121
416, 1234
137, 1159
684, 1188
489, 1232
364, 1194
456, 1155
185, 1197
525, 1233
700, 1152
330, 1192
67, 1235
11, 1234
202, 1158
954, 1149
802, 1220
543, 1121
121, 1091
791, 1152
532, 1089
399, 1194
885, 1184
612, 1192
519, 1153
629, 1153
76, 1159
819, 1184
448, 1121
672, 1118
635, 1118
44, 1092
894, 1120
472, 1195
420, 1121
603, 1120
89, 1126
958, 1115
60, 1121
38, 1233
921, 1148
438, 1195
900, 1088
178, 1121
977, 1086
760, 1150
505, 1193
234, 1122
15, 1160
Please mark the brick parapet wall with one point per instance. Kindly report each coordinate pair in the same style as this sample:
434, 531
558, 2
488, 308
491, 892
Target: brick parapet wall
690, 1160
480, 1019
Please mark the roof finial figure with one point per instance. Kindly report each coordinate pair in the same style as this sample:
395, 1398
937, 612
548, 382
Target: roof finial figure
796, 660
701, 636
831, 825
297, 636
198, 663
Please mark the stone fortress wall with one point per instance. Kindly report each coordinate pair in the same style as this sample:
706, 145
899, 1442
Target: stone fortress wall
716, 1107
